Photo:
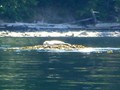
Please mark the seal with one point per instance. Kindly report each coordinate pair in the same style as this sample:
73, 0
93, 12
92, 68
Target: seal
54, 42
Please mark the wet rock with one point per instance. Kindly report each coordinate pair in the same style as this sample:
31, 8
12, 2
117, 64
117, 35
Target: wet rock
59, 47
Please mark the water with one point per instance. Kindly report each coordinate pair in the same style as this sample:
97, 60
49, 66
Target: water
35, 70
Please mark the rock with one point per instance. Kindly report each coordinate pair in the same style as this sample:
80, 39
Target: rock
59, 47
50, 47
53, 44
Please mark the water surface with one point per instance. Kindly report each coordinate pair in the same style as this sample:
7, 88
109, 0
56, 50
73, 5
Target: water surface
34, 70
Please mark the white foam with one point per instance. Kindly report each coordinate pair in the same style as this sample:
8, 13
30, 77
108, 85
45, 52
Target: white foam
83, 50
81, 33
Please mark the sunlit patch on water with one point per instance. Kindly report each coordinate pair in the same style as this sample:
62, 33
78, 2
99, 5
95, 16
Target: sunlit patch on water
108, 50
85, 50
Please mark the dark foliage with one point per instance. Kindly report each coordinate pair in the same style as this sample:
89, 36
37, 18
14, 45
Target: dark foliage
22, 10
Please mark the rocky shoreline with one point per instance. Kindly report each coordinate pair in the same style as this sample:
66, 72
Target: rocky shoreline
23, 27
59, 30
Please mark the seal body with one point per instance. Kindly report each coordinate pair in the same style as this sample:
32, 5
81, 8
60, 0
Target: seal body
54, 42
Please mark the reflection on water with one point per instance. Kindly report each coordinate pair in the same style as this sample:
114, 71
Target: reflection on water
34, 70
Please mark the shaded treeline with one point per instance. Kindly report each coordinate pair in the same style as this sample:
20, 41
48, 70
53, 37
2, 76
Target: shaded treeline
30, 10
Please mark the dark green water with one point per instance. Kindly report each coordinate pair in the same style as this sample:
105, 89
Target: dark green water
34, 70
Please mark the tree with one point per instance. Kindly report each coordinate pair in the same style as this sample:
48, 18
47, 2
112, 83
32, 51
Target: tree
19, 10
106, 9
16, 9
117, 10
